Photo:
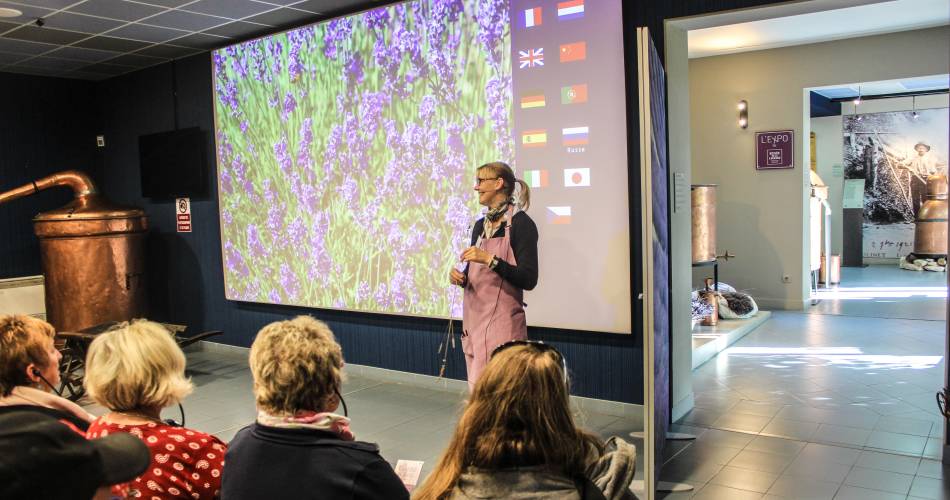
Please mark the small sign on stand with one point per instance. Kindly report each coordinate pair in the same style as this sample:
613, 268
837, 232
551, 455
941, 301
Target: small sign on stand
183, 215
775, 149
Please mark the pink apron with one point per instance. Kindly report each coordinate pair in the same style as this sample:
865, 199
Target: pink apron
492, 308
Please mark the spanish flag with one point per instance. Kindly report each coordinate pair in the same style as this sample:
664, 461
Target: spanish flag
532, 99
537, 138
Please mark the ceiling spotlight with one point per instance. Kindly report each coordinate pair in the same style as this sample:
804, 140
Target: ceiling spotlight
914, 104
857, 100
7, 12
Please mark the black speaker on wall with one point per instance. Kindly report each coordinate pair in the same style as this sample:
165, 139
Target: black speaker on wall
174, 164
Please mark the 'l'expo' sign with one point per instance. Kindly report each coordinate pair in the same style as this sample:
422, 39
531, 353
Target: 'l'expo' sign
774, 149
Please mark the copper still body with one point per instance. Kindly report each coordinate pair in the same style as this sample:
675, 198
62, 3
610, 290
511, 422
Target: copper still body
930, 232
93, 255
703, 201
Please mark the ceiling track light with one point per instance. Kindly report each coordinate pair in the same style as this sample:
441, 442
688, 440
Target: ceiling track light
914, 106
857, 100
8, 12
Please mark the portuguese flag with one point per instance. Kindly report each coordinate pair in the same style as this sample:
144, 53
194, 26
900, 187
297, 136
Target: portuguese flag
574, 94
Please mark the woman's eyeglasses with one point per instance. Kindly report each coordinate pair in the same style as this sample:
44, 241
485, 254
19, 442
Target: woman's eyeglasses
479, 180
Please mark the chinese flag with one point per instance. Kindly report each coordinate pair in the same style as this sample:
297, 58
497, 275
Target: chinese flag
571, 52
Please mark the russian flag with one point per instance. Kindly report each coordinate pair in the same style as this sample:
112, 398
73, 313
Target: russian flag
575, 136
532, 17
572, 9
559, 215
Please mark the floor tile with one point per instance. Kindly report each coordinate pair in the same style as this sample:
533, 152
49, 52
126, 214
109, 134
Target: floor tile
778, 446
706, 452
717, 492
901, 425
744, 479
790, 429
872, 479
794, 487
838, 434
757, 408
888, 462
932, 468
725, 438
820, 470
760, 461
741, 422
902, 443
934, 448
925, 487
827, 453
689, 471
855, 493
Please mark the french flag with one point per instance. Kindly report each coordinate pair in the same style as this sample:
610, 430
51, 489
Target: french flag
572, 9
532, 17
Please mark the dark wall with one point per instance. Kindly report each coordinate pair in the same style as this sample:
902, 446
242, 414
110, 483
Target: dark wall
186, 280
46, 125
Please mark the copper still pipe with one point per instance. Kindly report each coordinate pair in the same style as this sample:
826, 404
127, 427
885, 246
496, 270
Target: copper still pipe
93, 254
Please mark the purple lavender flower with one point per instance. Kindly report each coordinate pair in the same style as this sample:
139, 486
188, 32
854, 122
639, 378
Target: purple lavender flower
282, 156
362, 292
289, 282
274, 296
234, 261
427, 108
337, 31
254, 242
376, 19
290, 104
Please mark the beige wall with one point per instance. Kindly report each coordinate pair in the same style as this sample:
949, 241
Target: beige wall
761, 215
830, 148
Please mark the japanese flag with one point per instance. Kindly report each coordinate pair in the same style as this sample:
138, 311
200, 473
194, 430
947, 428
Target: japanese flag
575, 177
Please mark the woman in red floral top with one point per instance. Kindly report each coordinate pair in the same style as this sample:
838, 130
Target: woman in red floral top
136, 370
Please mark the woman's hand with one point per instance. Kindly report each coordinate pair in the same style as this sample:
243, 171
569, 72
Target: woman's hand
456, 277
475, 254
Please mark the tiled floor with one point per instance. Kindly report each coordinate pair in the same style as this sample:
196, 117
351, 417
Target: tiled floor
838, 404
885, 292
407, 422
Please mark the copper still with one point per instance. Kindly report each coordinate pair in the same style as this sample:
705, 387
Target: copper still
93, 254
711, 297
703, 201
930, 232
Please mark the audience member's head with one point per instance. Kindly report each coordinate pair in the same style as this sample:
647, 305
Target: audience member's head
297, 366
517, 415
42, 458
134, 366
28, 353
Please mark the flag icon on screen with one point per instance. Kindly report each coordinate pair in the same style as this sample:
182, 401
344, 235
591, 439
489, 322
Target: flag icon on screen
534, 138
532, 99
532, 17
573, 9
536, 178
574, 94
576, 177
559, 215
571, 52
531, 58
575, 136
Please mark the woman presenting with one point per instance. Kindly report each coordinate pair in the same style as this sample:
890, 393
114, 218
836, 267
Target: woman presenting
502, 262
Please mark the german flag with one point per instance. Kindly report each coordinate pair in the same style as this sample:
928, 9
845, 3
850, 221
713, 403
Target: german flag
532, 99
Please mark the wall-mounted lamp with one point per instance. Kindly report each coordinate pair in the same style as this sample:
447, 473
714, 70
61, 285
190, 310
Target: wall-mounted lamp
743, 108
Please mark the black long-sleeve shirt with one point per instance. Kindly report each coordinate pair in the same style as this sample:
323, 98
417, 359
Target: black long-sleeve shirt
524, 244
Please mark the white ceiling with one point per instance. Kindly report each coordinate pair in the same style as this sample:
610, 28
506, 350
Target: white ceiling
774, 27
920, 84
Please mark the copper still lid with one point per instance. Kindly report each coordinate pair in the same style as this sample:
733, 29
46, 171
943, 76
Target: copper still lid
937, 186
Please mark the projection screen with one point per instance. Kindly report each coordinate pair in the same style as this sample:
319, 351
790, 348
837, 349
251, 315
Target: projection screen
346, 155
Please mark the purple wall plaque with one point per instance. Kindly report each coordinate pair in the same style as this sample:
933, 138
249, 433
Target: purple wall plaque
774, 149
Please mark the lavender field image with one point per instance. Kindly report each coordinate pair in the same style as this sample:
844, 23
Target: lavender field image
346, 153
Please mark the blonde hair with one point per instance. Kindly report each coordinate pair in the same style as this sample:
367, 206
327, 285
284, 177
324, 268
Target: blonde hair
23, 340
518, 414
503, 171
297, 365
136, 365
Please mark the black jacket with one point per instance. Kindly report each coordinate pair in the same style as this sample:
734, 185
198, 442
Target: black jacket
268, 462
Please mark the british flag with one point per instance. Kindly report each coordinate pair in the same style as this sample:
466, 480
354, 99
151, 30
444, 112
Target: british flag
531, 58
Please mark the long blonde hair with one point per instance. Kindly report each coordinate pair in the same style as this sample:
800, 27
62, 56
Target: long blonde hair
503, 171
518, 414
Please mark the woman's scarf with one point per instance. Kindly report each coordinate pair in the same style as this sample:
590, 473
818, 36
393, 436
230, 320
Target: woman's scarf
306, 419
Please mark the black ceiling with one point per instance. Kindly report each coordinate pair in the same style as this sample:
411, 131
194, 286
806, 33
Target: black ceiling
99, 39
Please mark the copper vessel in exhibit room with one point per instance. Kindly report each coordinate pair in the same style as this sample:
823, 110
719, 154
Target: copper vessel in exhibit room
930, 232
93, 254
703, 201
